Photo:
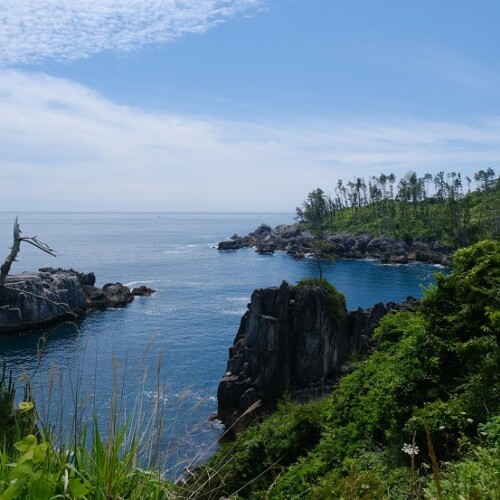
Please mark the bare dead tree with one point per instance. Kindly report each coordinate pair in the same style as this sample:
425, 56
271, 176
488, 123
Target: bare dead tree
11, 258
16, 247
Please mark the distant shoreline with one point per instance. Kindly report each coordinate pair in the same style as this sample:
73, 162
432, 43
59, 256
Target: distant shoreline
297, 241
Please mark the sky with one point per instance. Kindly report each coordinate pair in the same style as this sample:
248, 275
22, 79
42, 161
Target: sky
238, 105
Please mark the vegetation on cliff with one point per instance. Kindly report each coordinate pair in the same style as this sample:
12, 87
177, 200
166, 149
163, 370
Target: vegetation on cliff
444, 208
419, 418
336, 300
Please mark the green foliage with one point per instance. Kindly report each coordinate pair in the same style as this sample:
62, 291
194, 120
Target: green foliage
336, 300
261, 454
106, 469
491, 431
315, 210
29, 477
466, 304
36, 464
360, 485
475, 477
406, 209
434, 378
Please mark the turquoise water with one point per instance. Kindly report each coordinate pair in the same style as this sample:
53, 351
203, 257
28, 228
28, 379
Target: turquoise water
185, 328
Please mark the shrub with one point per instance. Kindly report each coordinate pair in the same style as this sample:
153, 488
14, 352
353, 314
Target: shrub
336, 300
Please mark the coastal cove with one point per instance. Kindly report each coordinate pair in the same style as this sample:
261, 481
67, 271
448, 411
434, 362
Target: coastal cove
190, 322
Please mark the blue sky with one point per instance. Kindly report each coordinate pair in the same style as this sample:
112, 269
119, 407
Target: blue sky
238, 105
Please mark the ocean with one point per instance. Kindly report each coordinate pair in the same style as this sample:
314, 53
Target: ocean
171, 348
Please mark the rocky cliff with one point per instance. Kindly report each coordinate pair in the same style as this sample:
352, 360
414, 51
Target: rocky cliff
37, 299
297, 241
292, 340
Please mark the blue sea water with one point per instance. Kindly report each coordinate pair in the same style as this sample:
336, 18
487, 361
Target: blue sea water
170, 348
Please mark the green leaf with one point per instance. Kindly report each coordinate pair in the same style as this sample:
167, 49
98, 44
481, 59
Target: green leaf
21, 471
14, 490
27, 456
79, 487
44, 486
40, 452
27, 443
26, 406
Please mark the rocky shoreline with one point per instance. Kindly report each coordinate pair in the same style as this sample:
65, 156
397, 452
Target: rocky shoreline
297, 241
290, 342
33, 300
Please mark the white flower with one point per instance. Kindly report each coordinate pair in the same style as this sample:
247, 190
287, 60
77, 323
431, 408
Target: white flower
469, 420
442, 427
410, 449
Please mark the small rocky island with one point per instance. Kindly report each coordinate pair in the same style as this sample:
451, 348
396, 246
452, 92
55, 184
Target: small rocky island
297, 241
293, 340
49, 296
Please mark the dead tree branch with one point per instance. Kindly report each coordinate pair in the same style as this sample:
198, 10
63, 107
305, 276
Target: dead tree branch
11, 258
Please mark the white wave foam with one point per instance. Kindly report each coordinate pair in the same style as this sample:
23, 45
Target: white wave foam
142, 282
167, 310
233, 312
237, 299
155, 396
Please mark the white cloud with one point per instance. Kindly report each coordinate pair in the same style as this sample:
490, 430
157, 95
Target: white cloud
34, 30
65, 147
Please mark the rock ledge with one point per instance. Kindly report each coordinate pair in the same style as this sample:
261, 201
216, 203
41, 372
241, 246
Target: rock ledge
46, 297
297, 241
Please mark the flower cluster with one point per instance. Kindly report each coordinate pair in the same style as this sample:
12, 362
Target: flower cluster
410, 449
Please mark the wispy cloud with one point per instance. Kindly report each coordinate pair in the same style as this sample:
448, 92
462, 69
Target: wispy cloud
66, 147
455, 68
32, 31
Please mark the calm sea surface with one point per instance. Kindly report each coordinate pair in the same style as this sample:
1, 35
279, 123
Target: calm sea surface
172, 347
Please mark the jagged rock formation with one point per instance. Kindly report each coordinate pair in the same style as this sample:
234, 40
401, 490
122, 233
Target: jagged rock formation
290, 341
37, 299
143, 291
297, 241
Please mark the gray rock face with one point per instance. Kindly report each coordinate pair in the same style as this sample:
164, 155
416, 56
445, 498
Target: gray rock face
51, 297
143, 291
266, 247
233, 244
37, 299
288, 342
297, 241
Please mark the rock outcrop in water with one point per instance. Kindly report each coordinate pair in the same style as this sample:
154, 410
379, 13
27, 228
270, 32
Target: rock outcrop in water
297, 241
37, 299
290, 341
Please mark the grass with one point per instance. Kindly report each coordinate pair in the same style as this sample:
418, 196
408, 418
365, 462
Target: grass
80, 449
118, 459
